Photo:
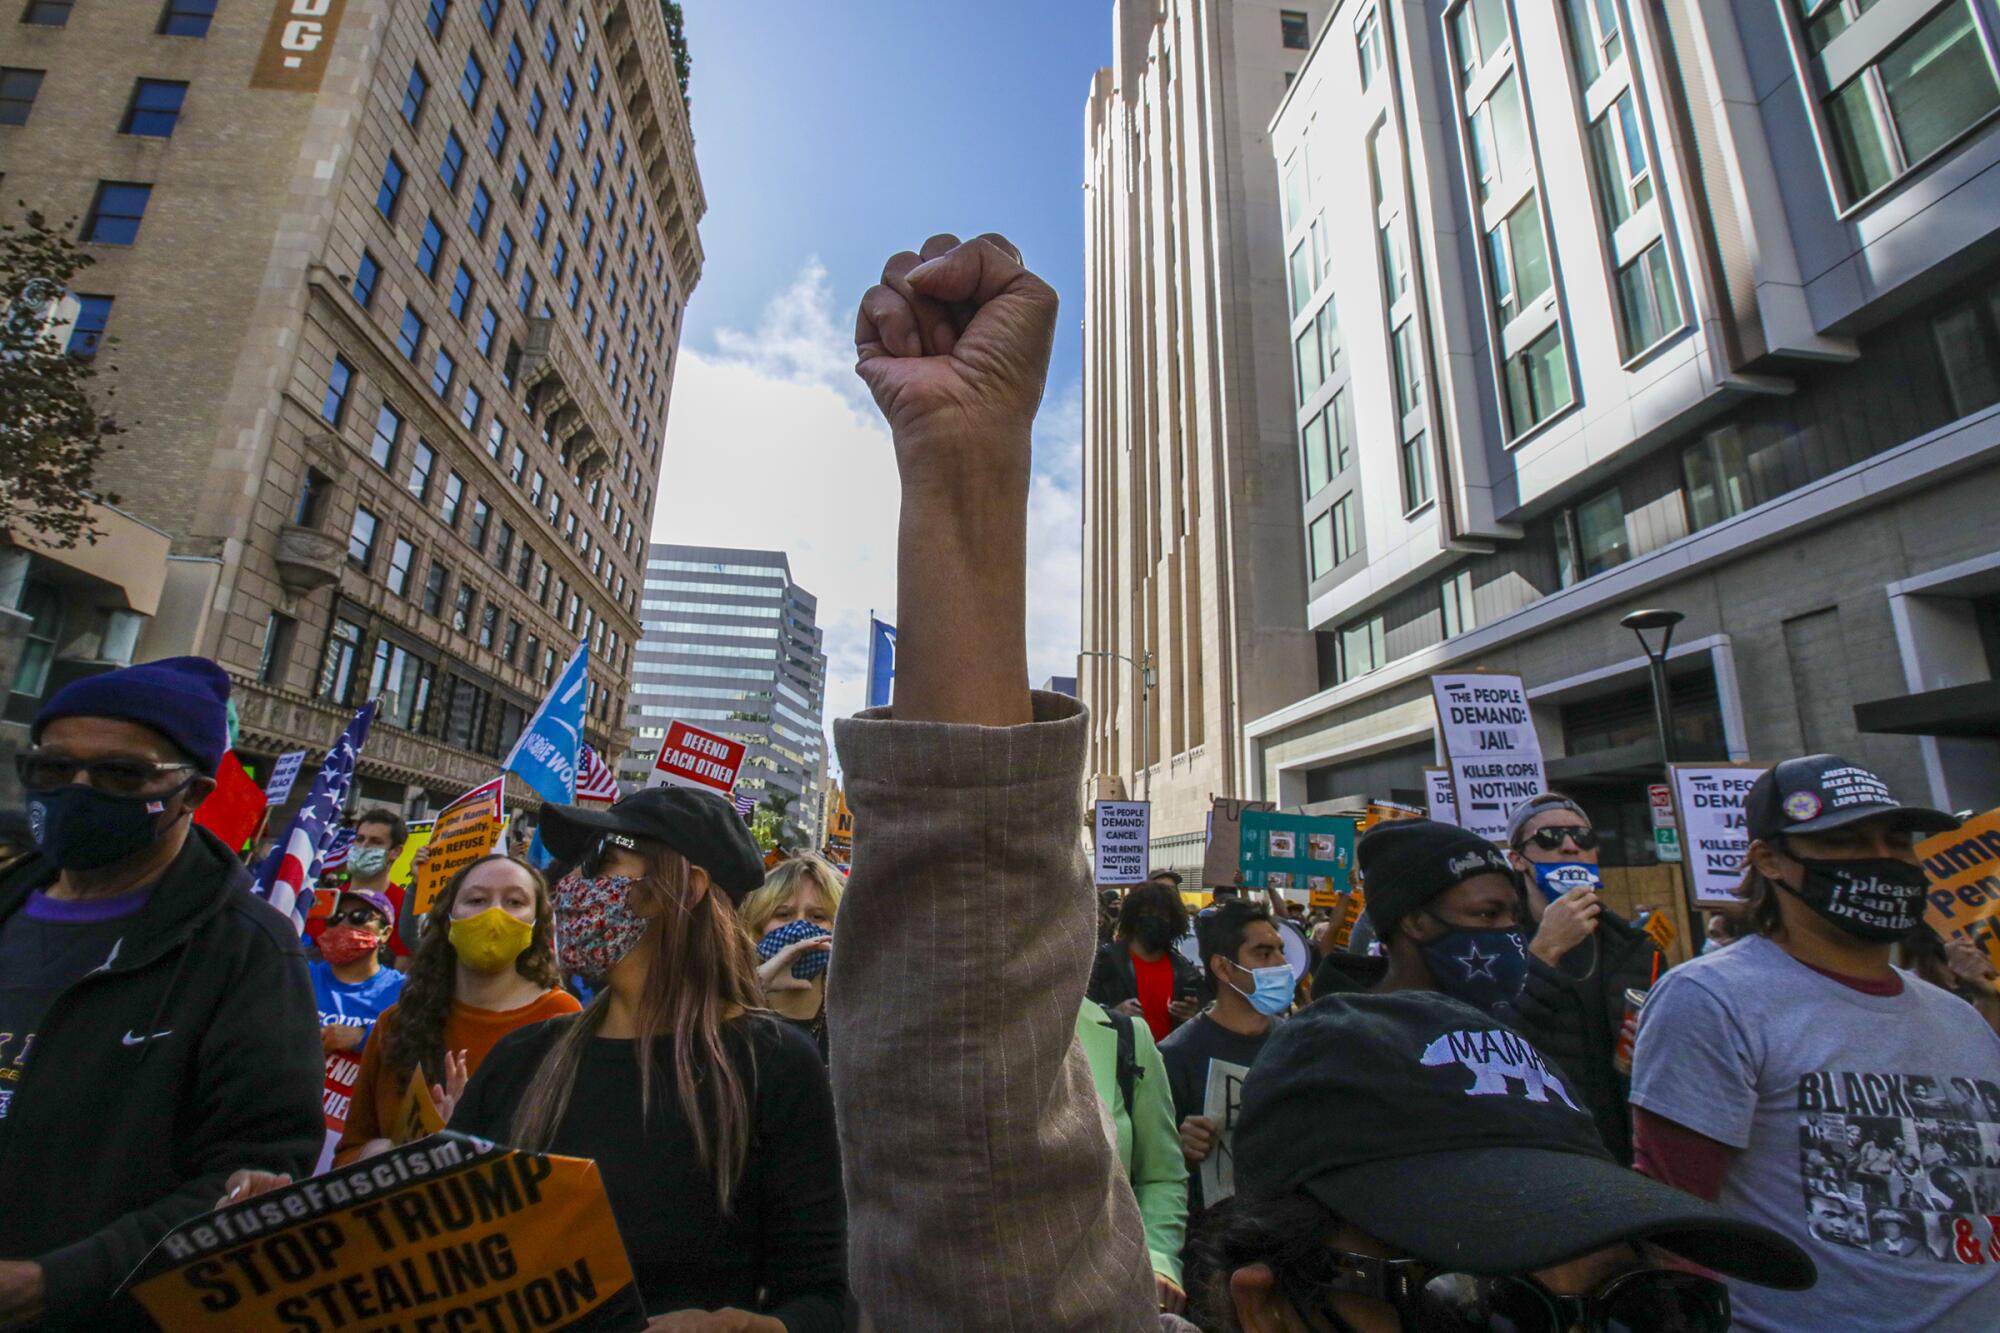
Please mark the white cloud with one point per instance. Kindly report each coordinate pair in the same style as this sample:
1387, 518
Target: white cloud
773, 444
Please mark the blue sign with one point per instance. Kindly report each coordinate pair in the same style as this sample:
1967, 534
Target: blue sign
545, 756
881, 662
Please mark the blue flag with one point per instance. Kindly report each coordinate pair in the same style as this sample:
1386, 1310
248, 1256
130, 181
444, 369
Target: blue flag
881, 662
545, 756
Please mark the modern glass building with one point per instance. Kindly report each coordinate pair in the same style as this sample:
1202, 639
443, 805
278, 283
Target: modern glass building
729, 644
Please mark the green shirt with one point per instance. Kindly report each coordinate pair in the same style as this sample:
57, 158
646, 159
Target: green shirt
1148, 1140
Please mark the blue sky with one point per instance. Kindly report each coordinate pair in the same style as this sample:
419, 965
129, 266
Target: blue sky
828, 137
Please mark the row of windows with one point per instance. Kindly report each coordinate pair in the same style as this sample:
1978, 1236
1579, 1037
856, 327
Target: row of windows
177, 18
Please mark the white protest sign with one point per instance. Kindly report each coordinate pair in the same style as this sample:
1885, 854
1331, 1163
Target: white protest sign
1124, 841
1713, 837
283, 774
1221, 1102
1491, 748
1441, 799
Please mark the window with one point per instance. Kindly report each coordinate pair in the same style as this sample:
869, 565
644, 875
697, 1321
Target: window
1967, 337
1409, 367
116, 212
496, 438
337, 674
468, 410
518, 187
1649, 306
1346, 530
516, 58
511, 644
430, 248
1307, 360
470, 82
400, 556
1592, 537
1295, 190
414, 93
333, 407
1455, 598
1368, 48
1341, 431
537, 108
489, 322
489, 621
279, 633
1537, 381
93, 313
410, 334
524, 298
1296, 30
497, 130
402, 681
186, 18
503, 546
48, 13
388, 430
1618, 152
461, 292
361, 539
1362, 648
1594, 37
1479, 30
1319, 544
1317, 460
577, 34
1718, 478
422, 460
517, 464
549, 45
434, 586
540, 226
391, 188
443, 368
452, 161
1498, 130
155, 107
503, 254
489, 13
17, 94
482, 206
461, 607
365, 274
1416, 462
1518, 260
454, 496
434, 17
312, 498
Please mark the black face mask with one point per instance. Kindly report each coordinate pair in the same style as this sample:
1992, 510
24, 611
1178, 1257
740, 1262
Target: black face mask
82, 828
1153, 932
1877, 898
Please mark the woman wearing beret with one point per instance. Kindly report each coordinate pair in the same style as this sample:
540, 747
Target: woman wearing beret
708, 1116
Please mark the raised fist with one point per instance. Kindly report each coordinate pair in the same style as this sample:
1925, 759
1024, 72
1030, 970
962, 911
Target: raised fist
954, 344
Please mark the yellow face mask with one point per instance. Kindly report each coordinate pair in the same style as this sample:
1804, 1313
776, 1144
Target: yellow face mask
490, 941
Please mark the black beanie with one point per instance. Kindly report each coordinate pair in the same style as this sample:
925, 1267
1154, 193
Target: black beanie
1407, 862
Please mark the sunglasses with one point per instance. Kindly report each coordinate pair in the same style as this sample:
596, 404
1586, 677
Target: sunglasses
1551, 839
361, 918
114, 777
594, 859
1651, 1300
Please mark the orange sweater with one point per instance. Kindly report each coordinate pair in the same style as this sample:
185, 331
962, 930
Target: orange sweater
378, 1093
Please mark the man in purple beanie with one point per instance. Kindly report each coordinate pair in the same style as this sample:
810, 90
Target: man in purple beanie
157, 1028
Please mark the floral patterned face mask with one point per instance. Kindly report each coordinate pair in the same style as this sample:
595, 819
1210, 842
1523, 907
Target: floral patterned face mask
595, 924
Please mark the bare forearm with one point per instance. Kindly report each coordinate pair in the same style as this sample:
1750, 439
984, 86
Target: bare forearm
961, 650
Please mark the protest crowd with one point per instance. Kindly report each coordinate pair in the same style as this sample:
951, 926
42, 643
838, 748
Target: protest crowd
963, 1087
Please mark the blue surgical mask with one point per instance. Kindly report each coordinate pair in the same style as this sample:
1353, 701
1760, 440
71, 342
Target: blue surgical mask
1483, 966
1273, 990
82, 828
1555, 878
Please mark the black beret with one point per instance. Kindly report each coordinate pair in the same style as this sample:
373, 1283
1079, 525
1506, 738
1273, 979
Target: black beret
700, 825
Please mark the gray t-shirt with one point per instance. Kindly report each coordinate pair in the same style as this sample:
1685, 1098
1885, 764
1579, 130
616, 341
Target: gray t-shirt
1869, 1127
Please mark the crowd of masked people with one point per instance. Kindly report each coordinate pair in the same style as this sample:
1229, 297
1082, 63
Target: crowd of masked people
964, 1089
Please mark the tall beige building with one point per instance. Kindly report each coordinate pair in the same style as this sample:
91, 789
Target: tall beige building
393, 290
1193, 564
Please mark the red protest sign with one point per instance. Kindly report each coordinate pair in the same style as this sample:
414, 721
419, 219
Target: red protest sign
235, 808
691, 757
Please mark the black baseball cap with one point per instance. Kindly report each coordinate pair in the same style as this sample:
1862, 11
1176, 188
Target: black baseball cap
700, 825
1817, 792
1448, 1136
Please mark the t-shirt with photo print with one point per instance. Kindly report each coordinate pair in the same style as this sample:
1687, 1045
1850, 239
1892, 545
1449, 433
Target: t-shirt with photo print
1869, 1129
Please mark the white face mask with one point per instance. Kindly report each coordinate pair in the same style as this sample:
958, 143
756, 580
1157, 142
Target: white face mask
366, 861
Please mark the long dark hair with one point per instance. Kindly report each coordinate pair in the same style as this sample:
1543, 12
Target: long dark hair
700, 966
1289, 1232
416, 1039
1153, 899
1758, 912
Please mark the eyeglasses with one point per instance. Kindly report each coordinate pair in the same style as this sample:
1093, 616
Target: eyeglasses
1551, 839
114, 777
361, 918
1651, 1300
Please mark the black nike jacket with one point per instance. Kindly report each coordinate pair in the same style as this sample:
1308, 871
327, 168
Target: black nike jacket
191, 1051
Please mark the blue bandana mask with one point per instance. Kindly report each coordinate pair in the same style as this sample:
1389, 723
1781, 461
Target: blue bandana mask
1274, 989
1555, 878
1484, 967
809, 964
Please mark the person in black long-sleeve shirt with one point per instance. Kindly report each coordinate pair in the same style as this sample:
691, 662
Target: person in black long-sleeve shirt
710, 1119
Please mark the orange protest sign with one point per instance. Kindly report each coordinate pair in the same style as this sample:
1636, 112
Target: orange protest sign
463, 832
416, 1115
1963, 867
449, 1233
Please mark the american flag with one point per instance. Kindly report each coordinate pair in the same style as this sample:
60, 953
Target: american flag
745, 803
335, 859
594, 781
286, 877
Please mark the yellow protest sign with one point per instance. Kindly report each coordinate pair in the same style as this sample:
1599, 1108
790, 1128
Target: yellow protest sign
463, 832
420, 836
1660, 928
416, 1115
1963, 867
449, 1233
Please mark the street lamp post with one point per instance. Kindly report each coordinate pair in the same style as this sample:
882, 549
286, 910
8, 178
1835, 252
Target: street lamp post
1147, 679
1654, 628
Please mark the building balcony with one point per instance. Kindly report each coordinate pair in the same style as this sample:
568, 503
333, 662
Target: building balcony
566, 397
307, 558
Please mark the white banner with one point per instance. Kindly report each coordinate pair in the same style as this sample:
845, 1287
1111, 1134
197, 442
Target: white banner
1124, 841
1491, 747
283, 774
1713, 836
1442, 800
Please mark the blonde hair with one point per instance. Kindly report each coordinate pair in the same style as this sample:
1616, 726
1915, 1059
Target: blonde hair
781, 890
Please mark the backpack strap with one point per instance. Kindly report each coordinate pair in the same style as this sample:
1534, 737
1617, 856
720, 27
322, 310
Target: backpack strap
1128, 1056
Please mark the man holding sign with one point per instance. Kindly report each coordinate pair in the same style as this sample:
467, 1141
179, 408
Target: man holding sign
1781, 1076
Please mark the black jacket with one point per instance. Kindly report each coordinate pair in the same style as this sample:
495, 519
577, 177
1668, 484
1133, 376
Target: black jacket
109, 1143
1572, 1013
1112, 981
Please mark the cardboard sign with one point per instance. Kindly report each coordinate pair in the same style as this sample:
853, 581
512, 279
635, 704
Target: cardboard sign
1344, 918
1491, 748
420, 836
1963, 867
463, 831
1659, 928
1124, 841
1709, 811
297, 45
336, 1099
283, 774
1443, 800
1222, 1101
417, 1115
691, 757
1221, 861
449, 1233
1386, 812
1311, 852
